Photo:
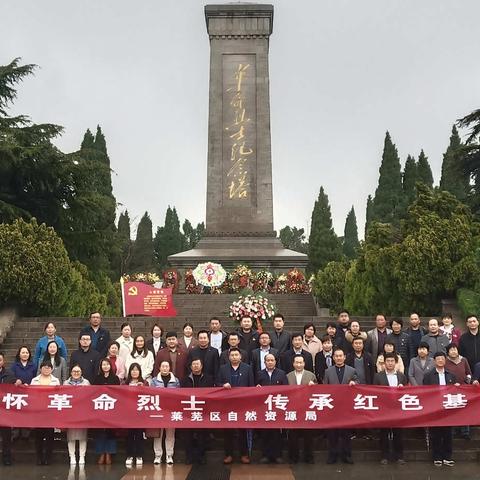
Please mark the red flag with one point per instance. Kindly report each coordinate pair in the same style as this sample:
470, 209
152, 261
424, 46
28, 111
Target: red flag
143, 299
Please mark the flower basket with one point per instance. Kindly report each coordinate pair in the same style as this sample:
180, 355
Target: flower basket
257, 307
147, 277
241, 278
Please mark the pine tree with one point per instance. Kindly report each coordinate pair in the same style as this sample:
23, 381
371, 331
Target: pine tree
409, 180
424, 172
125, 242
350, 237
368, 213
388, 202
454, 179
100, 144
168, 239
88, 140
142, 252
323, 243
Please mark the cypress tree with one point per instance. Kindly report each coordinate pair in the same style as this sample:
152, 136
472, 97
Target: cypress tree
323, 243
100, 144
409, 180
168, 239
388, 201
350, 238
454, 179
368, 213
424, 172
88, 140
142, 252
125, 242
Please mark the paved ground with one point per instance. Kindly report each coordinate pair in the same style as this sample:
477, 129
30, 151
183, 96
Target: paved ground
361, 471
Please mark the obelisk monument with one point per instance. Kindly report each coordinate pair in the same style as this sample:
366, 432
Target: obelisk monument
239, 219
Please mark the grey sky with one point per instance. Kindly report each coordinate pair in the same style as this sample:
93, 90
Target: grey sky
341, 74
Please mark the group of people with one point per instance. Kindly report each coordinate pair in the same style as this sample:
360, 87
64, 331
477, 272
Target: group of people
388, 355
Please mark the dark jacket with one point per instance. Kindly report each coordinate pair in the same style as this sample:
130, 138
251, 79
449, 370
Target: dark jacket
401, 342
431, 378
211, 360
368, 364
381, 379
320, 366
225, 375
149, 346
224, 339
252, 344
24, 373
103, 339
286, 360
224, 356
204, 381
469, 347
278, 378
414, 341
281, 342
102, 380
255, 360
88, 362
6, 376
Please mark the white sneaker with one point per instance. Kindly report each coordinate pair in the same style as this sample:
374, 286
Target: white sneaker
157, 460
81, 460
129, 462
170, 459
139, 461
73, 460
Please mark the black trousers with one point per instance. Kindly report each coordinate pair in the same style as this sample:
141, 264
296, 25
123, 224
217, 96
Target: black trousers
6, 433
44, 443
397, 439
294, 437
339, 443
441, 442
271, 443
195, 445
229, 440
135, 442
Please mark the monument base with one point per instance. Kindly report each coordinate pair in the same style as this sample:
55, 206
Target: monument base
256, 252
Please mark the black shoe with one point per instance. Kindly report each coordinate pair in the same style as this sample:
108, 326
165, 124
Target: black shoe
264, 460
331, 459
7, 462
347, 460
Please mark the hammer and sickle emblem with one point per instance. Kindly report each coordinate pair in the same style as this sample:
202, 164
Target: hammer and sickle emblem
133, 291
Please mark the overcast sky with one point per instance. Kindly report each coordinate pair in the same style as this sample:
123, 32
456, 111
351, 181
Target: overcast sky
341, 74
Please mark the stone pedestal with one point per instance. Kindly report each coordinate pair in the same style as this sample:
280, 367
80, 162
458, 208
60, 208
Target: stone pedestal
239, 219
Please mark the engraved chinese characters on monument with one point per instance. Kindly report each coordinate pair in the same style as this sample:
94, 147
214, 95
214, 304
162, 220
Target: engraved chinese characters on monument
239, 131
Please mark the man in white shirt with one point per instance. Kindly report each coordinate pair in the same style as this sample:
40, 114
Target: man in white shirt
217, 335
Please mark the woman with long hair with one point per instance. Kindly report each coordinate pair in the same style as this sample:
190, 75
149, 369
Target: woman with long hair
135, 440
141, 355
44, 436
50, 331
117, 362
125, 340
105, 440
157, 342
59, 364
23, 368
73, 434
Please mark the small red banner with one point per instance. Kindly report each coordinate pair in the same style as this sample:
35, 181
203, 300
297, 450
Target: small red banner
143, 299
319, 406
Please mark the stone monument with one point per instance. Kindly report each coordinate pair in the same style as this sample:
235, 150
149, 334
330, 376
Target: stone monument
239, 220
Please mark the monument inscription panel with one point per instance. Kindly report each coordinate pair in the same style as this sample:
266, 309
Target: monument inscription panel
239, 156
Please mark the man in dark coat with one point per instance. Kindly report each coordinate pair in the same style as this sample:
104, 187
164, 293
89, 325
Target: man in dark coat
441, 436
247, 335
172, 353
391, 378
469, 344
281, 339
86, 357
233, 340
362, 362
232, 375
271, 438
257, 357
100, 336
196, 439
324, 358
6, 376
286, 359
208, 355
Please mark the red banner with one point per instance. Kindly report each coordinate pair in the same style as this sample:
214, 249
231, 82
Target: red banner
143, 299
319, 406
